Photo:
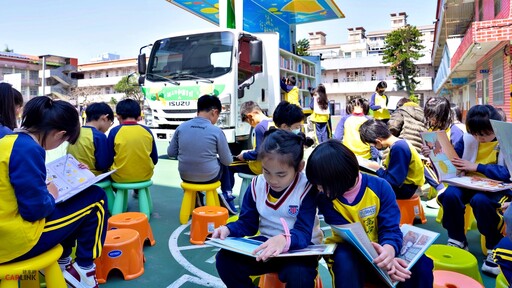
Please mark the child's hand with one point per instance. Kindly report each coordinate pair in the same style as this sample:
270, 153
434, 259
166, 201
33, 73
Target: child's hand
83, 166
53, 190
401, 273
425, 150
221, 232
505, 206
385, 258
373, 165
271, 248
240, 156
464, 165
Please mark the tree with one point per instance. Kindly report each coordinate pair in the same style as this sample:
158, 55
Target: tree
403, 47
130, 87
303, 47
7, 49
80, 94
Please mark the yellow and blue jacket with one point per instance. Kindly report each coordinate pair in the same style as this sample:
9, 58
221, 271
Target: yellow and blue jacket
92, 149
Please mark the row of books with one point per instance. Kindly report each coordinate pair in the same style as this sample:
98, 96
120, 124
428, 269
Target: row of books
299, 67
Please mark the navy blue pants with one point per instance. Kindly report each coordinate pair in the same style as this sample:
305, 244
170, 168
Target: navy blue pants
349, 268
503, 256
489, 217
322, 132
234, 269
406, 191
82, 220
236, 167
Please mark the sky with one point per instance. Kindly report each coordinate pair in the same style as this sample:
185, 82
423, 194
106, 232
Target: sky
84, 29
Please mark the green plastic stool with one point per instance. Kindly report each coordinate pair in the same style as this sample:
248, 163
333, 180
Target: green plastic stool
501, 281
454, 259
121, 199
107, 186
246, 182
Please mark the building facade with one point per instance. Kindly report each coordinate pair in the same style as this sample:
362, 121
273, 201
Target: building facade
354, 68
471, 52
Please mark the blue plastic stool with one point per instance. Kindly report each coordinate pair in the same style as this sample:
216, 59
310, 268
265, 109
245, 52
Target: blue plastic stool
121, 200
107, 186
246, 182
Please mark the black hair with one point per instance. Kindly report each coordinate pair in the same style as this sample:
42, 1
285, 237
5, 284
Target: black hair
286, 113
334, 167
206, 103
381, 85
361, 102
438, 108
285, 144
323, 102
128, 108
456, 113
42, 115
248, 107
478, 119
292, 80
371, 130
9, 99
95, 110
502, 114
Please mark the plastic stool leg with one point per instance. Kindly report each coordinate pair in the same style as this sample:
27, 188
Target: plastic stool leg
216, 198
110, 198
186, 209
54, 276
150, 199
210, 198
120, 202
8, 284
144, 206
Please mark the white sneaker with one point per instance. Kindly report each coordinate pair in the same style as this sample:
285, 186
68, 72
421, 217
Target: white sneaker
432, 203
77, 277
489, 266
64, 263
458, 244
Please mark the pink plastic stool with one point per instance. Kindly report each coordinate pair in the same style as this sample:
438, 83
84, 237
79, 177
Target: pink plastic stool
449, 279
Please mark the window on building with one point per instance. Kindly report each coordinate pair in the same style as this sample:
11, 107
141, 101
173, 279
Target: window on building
480, 10
335, 79
117, 73
33, 91
348, 54
374, 75
497, 80
497, 7
34, 75
359, 54
97, 74
107, 90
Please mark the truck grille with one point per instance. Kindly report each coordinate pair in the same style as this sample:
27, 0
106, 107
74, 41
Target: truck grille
180, 111
177, 119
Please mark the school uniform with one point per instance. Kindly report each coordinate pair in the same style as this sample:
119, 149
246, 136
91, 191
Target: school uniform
321, 119
291, 93
378, 104
348, 132
31, 222
375, 208
404, 169
135, 154
92, 149
4, 131
262, 209
502, 255
485, 205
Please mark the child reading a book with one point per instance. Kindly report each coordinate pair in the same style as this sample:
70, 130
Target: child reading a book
281, 206
348, 196
403, 168
479, 155
289, 117
32, 222
91, 148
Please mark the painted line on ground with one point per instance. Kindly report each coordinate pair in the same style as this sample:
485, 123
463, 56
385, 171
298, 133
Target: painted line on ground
204, 278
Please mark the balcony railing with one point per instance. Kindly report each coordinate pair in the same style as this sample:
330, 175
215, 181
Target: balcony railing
463, 47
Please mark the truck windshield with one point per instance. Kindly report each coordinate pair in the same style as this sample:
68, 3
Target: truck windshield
206, 55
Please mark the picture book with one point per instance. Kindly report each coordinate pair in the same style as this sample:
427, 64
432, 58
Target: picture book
415, 242
69, 178
364, 167
503, 130
246, 246
441, 153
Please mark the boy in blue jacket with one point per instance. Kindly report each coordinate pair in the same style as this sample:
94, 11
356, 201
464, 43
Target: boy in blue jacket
479, 155
403, 168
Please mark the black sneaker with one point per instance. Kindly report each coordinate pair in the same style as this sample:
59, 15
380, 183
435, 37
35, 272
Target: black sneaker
227, 202
489, 266
458, 244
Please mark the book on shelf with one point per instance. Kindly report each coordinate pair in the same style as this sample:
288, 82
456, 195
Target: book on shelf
246, 246
414, 244
69, 178
441, 153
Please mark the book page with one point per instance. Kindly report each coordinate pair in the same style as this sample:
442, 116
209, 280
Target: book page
503, 130
415, 242
363, 164
246, 246
479, 183
441, 152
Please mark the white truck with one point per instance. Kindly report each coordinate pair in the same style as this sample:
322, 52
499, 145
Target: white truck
234, 65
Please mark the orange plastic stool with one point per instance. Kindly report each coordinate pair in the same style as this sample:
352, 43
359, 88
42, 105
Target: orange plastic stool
409, 209
449, 279
271, 280
189, 197
123, 251
133, 220
204, 220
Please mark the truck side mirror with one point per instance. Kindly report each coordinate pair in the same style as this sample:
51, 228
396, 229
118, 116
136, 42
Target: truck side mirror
256, 54
141, 63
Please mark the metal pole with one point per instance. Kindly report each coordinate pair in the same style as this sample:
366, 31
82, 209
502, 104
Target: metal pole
44, 76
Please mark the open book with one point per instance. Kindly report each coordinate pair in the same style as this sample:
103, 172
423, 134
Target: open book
441, 152
415, 242
363, 165
247, 246
503, 130
69, 178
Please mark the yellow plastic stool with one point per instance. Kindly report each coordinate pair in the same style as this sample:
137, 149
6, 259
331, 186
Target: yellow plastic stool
454, 259
469, 218
501, 281
189, 197
11, 272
